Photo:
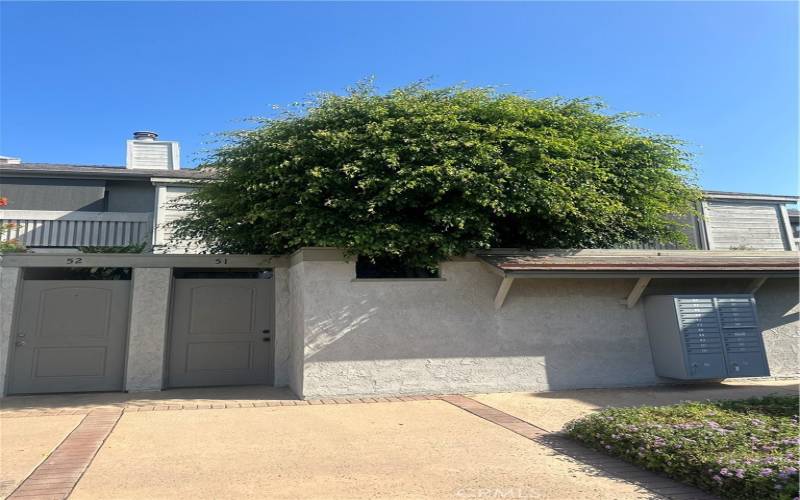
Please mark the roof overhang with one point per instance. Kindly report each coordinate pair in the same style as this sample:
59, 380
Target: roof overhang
773, 198
642, 265
104, 172
633, 263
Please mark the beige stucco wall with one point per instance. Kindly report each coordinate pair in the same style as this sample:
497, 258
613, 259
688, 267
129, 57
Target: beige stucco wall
440, 336
294, 333
335, 335
10, 286
387, 337
282, 332
778, 311
147, 332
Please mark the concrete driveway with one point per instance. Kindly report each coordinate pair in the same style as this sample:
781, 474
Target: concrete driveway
260, 443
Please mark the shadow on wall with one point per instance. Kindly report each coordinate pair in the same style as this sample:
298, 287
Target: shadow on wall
553, 334
550, 333
777, 301
326, 331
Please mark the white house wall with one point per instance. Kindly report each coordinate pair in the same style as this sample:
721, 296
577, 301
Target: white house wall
777, 302
283, 334
402, 336
10, 286
166, 212
147, 333
296, 328
395, 337
338, 336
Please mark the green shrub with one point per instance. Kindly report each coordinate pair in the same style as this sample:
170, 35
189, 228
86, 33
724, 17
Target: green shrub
420, 175
736, 449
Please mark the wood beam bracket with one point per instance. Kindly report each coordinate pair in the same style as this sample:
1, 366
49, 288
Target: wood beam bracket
505, 286
755, 285
636, 292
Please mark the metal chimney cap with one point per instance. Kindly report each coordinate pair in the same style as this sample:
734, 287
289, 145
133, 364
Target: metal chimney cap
145, 135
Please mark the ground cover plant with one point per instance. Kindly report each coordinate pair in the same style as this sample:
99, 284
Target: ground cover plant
741, 449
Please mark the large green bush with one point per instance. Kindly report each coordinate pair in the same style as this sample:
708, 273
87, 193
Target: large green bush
739, 449
424, 174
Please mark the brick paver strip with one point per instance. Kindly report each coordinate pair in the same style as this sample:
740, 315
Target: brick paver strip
221, 405
57, 476
658, 484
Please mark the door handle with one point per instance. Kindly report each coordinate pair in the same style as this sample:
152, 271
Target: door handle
19, 343
266, 339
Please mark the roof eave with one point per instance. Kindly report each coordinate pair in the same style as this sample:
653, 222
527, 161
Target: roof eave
724, 195
635, 273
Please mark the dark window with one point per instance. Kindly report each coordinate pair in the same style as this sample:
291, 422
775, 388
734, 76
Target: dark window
77, 273
227, 274
391, 268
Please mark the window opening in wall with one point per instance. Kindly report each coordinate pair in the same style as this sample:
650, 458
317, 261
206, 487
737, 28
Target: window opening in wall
205, 274
391, 268
77, 273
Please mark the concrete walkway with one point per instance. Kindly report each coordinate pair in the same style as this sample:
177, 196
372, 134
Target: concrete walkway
262, 443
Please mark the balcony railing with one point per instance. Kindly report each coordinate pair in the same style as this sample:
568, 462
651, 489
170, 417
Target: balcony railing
47, 228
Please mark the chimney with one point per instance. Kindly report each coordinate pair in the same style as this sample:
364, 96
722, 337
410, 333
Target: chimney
145, 151
145, 135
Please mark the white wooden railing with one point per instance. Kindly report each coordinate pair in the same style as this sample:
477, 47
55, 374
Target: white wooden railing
49, 228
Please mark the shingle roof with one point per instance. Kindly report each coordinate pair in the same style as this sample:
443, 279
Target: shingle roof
98, 171
638, 262
778, 198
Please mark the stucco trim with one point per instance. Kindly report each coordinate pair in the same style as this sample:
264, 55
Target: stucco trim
395, 280
71, 259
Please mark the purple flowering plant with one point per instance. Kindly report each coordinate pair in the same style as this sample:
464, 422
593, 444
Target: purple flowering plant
740, 449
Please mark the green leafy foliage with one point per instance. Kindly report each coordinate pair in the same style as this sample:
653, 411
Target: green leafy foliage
736, 449
423, 174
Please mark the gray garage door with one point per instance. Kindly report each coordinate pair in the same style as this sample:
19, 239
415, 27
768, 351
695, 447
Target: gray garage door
70, 336
221, 332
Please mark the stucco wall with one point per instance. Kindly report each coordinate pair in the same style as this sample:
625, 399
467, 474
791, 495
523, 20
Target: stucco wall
147, 336
406, 336
777, 302
10, 286
282, 334
384, 337
296, 328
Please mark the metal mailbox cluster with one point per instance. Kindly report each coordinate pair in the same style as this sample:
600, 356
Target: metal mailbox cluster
705, 336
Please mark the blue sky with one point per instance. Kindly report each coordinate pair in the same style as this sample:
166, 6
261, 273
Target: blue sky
78, 78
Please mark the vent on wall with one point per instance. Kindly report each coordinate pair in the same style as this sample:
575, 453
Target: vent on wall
146, 152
